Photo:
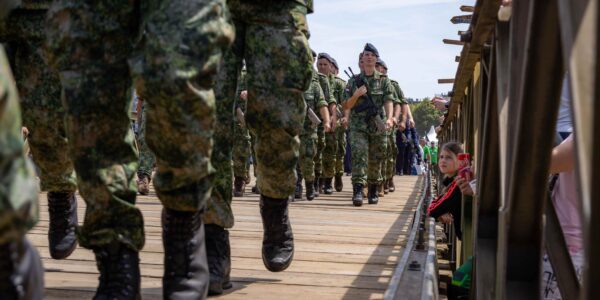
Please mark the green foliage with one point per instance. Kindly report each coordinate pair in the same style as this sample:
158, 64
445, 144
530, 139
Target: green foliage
425, 115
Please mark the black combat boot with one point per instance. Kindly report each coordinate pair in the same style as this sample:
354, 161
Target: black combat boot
218, 254
278, 240
357, 196
327, 188
372, 195
239, 184
339, 185
316, 186
143, 184
255, 189
21, 271
391, 185
119, 268
298, 192
62, 207
386, 187
310, 190
186, 269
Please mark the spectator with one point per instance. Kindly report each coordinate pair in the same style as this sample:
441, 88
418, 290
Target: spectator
564, 198
446, 208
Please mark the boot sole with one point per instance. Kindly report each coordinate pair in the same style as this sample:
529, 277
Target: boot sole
357, 204
65, 254
278, 268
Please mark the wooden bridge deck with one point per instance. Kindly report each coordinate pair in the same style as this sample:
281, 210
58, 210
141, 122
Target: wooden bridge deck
342, 252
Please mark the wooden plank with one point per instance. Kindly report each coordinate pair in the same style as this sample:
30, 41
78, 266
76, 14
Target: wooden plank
342, 252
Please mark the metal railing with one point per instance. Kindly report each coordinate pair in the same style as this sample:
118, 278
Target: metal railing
418, 262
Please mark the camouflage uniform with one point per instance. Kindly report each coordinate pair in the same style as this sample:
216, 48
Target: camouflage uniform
23, 34
241, 140
329, 143
337, 86
18, 186
273, 41
174, 65
320, 159
315, 99
365, 141
147, 159
392, 153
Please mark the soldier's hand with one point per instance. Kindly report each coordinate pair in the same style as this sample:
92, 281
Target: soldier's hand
334, 124
411, 123
24, 131
389, 124
361, 91
344, 122
244, 95
327, 127
402, 126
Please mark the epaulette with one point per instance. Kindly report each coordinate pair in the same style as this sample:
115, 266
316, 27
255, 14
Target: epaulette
393, 81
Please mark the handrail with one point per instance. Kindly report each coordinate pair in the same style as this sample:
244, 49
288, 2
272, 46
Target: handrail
416, 242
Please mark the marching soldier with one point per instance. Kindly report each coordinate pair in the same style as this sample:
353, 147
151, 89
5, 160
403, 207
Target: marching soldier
242, 140
372, 90
276, 80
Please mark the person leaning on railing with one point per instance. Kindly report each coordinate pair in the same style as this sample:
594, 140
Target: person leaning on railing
446, 208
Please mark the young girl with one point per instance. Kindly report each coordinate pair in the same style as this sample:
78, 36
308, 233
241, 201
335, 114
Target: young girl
446, 208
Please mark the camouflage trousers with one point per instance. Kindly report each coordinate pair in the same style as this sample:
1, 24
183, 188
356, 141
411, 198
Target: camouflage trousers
18, 187
392, 152
147, 159
319, 155
173, 66
341, 150
368, 154
40, 90
308, 150
329, 154
241, 152
276, 79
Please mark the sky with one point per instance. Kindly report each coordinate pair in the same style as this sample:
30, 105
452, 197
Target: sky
407, 33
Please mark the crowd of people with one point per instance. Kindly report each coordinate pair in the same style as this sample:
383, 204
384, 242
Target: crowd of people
326, 140
447, 206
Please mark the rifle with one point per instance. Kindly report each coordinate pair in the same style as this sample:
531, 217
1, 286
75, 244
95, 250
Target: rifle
314, 119
369, 105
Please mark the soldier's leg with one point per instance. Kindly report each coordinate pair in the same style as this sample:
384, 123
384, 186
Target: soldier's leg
359, 142
219, 215
184, 44
391, 165
147, 159
43, 115
319, 161
279, 70
339, 158
241, 153
254, 162
377, 151
329, 155
21, 271
308, 149
381, 188
97, 99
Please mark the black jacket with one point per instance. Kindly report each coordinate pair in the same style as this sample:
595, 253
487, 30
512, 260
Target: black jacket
448, 202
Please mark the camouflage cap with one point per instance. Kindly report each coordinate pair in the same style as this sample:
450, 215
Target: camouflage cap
381, 63
369, 47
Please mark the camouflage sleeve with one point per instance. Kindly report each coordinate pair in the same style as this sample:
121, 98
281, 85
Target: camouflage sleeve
388, 90
320, 96
327, 92
399, 93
